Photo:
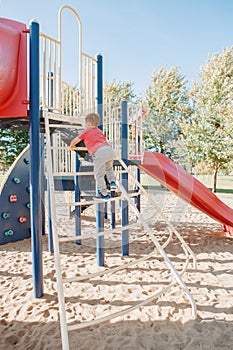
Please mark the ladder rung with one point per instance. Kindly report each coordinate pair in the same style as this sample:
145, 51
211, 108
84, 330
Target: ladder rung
63, 117
65, 126
79, 173
103, 233
122, 171
96, 201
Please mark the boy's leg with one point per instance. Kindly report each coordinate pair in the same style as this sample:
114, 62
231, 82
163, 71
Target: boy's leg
109, 165
99, 172
103, 156
109, 171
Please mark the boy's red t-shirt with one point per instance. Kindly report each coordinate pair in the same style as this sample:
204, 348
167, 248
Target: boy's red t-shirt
94, 139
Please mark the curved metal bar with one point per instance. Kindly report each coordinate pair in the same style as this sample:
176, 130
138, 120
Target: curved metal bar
117, 314
160, 249
150, 199
60, 40
108, 271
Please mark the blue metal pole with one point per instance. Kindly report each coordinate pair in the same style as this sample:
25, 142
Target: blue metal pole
100, 228
100, 206
35, 161
124, 156
99, 59
113, 212
77, 196
106, 211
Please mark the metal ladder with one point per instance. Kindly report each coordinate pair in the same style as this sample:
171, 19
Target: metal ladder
159, 249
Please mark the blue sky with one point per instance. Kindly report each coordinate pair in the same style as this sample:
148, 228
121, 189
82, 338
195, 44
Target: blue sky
136, 37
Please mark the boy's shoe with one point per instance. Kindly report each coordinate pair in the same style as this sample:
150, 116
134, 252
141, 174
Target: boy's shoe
113, 186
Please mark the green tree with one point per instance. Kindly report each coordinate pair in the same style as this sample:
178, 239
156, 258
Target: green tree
12, 142
209, 131
167, 102
115, 92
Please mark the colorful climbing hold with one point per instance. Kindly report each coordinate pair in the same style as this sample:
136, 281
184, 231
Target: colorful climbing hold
6, 215
13, 198
26, 161
22, 219
16, 180
9, 233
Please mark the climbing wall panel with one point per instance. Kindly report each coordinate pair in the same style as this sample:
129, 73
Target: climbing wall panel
15, 201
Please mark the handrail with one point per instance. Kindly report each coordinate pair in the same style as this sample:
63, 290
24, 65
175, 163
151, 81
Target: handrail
60, 39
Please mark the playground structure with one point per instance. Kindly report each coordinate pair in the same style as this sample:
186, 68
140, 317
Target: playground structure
59, 115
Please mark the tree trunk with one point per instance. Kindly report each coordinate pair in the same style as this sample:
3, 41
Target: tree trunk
214, 188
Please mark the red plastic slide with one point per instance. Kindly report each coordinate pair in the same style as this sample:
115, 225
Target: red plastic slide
184, 185
13, 69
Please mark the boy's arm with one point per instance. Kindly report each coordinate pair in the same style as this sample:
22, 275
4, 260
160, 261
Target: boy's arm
74, 142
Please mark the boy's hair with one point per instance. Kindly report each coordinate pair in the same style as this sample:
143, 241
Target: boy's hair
93, 118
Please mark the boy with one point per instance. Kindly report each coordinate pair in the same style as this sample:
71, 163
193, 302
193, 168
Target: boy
101, 152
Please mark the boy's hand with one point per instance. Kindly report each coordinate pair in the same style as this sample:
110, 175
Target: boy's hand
72, 146
78, 148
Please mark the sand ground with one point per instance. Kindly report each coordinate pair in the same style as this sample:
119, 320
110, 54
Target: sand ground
165, 323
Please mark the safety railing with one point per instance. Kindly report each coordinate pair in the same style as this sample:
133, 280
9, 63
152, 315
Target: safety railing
112, 128
56, 94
